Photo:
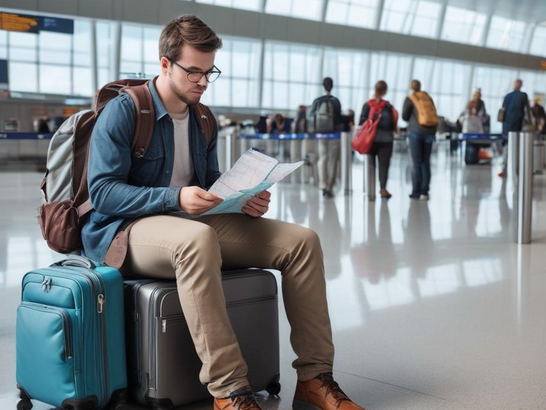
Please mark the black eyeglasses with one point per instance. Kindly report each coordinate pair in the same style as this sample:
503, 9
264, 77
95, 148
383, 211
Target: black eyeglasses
195, 76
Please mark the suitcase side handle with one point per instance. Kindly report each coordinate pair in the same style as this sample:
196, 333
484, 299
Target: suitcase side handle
76, 260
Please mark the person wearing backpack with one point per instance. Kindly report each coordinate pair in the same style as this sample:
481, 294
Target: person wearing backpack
172, 176
420, 113
384, 137
325, 117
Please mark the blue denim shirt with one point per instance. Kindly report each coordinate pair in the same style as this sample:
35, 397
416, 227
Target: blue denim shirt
122, 187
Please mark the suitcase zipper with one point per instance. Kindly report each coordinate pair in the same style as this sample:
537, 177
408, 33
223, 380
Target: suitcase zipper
180, 317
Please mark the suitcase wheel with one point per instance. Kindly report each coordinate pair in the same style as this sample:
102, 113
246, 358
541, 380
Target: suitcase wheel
274, 387
24, 404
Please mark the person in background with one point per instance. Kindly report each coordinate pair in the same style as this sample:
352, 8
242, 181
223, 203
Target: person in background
384, 137
325, 117
515, 110
351, 115
420, 113
539, 114
42, 126
298, 126
474, 120
279, 125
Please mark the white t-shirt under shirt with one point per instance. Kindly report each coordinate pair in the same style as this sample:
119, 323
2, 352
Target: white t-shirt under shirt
183, 165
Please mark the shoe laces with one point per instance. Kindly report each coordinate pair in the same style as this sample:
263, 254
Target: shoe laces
332, 388
245, 402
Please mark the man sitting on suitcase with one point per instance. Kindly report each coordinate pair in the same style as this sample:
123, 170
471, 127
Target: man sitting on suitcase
173, 175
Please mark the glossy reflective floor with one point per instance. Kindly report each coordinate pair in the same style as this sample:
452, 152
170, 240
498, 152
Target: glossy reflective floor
433, 304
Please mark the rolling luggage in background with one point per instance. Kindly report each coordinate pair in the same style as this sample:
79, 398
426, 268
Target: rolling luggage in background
70, 339
471, 154
162, 361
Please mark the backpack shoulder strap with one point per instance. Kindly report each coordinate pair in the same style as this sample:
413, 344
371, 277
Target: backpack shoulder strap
206, 120
145, 117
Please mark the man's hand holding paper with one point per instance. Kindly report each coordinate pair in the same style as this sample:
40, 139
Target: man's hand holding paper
244, 187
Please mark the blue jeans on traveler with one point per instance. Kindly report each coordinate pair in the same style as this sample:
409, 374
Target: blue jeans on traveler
420, 147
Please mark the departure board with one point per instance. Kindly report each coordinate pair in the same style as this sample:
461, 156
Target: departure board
19, 22
34, 24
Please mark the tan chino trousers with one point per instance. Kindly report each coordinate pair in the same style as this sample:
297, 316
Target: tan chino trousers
195, 251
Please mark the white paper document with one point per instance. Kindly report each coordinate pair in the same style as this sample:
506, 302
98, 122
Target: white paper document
253, 173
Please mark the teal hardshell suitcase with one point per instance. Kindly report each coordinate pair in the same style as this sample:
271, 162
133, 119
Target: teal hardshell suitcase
70, 337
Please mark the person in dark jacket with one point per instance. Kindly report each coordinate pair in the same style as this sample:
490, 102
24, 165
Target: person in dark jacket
384, 137
420, 139
515, 108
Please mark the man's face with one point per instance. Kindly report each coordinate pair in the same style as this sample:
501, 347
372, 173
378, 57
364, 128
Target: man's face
195, 61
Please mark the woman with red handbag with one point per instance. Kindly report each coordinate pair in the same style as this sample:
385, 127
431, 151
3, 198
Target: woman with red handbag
381, 118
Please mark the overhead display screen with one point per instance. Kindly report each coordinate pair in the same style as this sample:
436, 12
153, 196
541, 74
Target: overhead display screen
34, 24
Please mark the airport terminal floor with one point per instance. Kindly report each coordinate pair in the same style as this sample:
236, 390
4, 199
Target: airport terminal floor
433, 305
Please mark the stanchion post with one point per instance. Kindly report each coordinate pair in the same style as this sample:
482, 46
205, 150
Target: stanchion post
231, 149
346, 162
369, 177
525, 188
513, 157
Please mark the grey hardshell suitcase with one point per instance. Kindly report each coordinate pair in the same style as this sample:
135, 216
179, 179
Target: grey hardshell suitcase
162, 362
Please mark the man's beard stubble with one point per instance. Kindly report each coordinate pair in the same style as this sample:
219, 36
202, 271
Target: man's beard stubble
190, 100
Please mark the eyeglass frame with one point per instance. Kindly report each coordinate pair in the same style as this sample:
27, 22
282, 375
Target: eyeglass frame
188, 72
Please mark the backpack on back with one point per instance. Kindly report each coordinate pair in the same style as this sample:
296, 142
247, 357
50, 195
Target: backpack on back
426, 111
323, 117
64, 185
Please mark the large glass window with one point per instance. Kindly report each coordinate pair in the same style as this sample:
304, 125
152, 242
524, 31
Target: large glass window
304, 9
494, 83
104, 52
449, 87
139, 51
238, 85
414, 17
538, 44
291, 75
463, 26
506, 34
51, 63
238, 4
3, 45
349, 70
358, 13
395, 71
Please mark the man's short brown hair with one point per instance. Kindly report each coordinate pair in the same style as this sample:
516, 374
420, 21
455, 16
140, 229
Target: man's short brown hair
187, 30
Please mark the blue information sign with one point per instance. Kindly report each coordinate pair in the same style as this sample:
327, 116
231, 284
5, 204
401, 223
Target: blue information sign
4, 83
56, 24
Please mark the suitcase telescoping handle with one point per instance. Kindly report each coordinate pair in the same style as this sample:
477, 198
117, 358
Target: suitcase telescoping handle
76, 260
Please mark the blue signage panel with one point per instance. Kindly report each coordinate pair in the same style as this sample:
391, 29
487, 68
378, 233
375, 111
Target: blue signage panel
57, 25
4, 82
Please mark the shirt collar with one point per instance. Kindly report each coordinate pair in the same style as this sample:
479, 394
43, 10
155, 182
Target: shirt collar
160, 110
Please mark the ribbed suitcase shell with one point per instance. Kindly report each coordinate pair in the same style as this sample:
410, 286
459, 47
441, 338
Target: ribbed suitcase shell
67, 352
162, 361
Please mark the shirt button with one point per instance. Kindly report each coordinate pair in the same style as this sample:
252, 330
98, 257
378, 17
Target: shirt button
167, 172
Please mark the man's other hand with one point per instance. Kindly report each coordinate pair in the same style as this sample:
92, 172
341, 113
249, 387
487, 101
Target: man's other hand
195, 201
258, 205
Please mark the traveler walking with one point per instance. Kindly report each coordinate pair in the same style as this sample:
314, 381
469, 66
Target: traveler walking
420, 112
384, 137
325, 117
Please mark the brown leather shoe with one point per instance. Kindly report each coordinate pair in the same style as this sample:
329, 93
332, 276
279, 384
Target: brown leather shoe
322, 393
242, 399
